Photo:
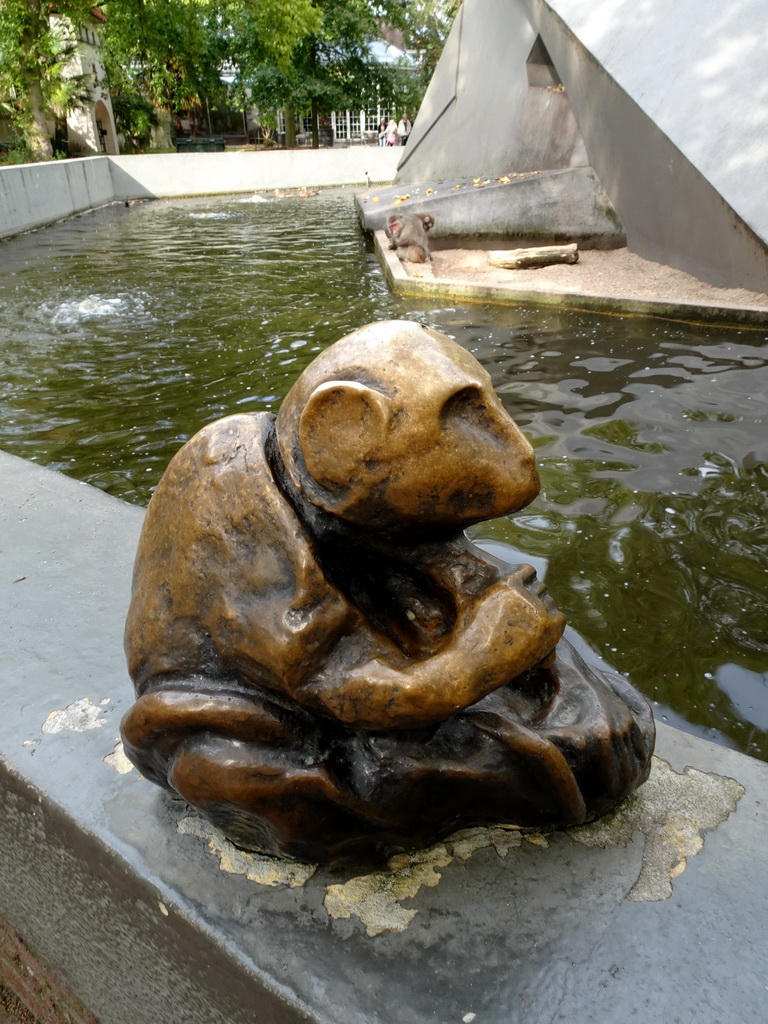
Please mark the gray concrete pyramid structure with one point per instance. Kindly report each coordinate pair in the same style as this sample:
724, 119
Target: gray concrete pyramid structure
667, 103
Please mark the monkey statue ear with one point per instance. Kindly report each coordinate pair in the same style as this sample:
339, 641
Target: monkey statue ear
343, 424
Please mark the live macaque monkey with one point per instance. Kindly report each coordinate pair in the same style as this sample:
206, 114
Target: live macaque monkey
407, 234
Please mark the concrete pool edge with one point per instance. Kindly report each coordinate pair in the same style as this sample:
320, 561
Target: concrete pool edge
518, 293
111, 890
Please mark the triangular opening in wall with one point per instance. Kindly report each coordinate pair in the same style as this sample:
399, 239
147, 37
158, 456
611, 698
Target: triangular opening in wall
542, 73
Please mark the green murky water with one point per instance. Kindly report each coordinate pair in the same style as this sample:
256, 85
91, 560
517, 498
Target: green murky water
125, 330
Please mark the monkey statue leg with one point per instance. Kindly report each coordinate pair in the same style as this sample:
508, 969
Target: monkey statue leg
260, 771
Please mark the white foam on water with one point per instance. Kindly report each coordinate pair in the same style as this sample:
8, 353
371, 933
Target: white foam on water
210, 216
254, 199
95, 307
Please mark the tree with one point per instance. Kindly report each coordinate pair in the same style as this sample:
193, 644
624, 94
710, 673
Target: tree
298, 54
426, 28
135, 118
172, 52
162, 51
33, 55
331, 68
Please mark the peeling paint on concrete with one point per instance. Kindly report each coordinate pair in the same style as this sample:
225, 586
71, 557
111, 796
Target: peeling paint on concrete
376, 899
256, 867
672, 810
118, 760
80, 716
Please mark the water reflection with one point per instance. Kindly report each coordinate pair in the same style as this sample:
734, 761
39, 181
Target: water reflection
124, 331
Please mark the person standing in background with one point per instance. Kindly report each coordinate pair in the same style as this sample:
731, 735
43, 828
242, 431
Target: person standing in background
403, 130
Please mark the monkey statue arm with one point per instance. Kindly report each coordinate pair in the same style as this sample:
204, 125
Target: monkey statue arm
509, 629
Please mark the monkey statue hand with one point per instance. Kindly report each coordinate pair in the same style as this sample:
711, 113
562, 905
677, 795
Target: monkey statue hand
509, 629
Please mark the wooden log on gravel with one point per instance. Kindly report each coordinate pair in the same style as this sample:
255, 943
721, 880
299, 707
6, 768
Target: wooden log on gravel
542, 256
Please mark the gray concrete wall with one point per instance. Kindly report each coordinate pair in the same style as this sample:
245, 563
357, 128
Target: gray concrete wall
173, 174
564, 205
35, 194
671, 102
698, 69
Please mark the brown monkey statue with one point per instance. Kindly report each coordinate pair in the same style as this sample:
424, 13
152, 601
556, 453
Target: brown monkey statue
324, 665
407, 233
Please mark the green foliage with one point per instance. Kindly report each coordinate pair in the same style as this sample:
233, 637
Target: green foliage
16, 152
331, 68
161, 50
427, 24
135, 117
401, 89
301, 54
173, 51
270, 29
33, 56
62, 94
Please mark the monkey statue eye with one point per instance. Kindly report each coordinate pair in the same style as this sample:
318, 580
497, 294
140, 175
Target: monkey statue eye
470, 409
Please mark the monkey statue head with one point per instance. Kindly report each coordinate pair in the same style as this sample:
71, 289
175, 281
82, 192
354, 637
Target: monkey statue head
397, 428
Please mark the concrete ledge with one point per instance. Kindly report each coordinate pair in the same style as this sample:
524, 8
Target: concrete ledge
421, 282
148, 916
568, 205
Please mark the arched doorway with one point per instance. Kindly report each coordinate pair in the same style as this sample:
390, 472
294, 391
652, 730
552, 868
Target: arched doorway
106, 137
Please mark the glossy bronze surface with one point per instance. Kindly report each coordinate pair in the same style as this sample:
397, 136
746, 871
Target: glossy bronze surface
325, 666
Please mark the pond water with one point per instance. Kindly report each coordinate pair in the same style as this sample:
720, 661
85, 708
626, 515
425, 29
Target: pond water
124, 330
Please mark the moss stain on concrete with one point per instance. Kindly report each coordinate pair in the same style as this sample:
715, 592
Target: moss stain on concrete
673, 811
117, 759
376, 900
256, 867
79, 716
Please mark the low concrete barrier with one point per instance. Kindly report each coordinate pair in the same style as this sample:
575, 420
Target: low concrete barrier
35, 194
170, 174
149, 916
32, 195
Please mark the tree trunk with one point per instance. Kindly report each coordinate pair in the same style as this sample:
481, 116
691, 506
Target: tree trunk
35, 129
36, 133
290, 128
514, 259
315, 120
